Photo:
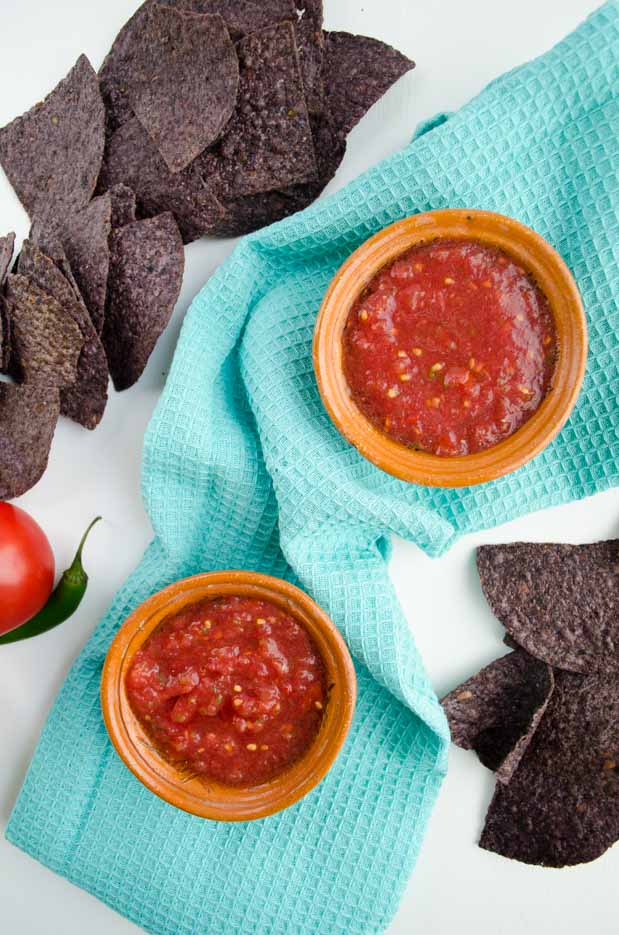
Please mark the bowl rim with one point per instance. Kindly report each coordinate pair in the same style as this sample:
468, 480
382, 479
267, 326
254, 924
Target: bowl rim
546, 267
206, 798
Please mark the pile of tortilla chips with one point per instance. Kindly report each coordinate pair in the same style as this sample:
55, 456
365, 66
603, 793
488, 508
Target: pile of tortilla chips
545, 717
233, 115
207, 117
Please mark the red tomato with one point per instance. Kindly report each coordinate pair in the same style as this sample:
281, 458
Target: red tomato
26, 567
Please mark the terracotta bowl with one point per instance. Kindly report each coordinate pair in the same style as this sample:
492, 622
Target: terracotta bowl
546, 267
206, 798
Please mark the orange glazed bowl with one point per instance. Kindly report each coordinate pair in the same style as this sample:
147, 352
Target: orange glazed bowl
199, 795
547, 270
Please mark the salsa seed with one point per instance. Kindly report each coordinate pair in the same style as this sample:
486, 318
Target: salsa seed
519, 317
449, 281
525, 391
237, 702
363, 315
452, 345
264, 746
207, 625
436, 367
252, 746
237, 688
318, 704
402, 354
547, 340
433, 402
418, 267
392, 392
464, 696
405, 377
487, 284
467, 403
200, 749
228, 747
417, 351
387, 422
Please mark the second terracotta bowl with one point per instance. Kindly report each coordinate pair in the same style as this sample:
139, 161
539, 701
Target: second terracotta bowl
206, 798
553, 277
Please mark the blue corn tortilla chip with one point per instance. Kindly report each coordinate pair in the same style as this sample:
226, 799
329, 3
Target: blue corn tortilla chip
559, 602
357, 72
85, 240
123, 203
146, 272
268, 143
497, 712
133, 160
52, 155
184, 82
243, 215
28, 417
7, 245
561, 806
45, 341
117, 72
85, 400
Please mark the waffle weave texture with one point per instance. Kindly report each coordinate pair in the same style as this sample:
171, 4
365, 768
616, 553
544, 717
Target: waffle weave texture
243, 469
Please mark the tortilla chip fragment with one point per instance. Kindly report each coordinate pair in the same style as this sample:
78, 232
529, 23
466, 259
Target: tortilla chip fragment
28, 417
559, 602
85, 400
85, 239
497, 712
561, 806
184, 82
357, 72
133, 160
52, 155
46, 342
268, 143
123, 203
146, 272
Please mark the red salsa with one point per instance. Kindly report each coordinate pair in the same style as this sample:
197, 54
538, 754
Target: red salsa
233, 688
451, 348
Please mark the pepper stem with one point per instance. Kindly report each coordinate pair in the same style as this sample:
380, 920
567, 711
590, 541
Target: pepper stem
76, 564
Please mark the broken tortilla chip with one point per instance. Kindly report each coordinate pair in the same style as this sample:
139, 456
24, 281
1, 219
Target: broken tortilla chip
497, 712
28, 417
145, 279
561, 806
559, 602
184, 81
52, 155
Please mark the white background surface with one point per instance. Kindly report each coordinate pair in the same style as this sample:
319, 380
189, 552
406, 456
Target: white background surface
459, 46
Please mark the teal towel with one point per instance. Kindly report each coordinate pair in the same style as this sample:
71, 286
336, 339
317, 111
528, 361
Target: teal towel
243, 469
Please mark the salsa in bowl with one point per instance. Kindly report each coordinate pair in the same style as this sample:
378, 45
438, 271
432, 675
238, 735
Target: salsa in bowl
229, 694
450, 348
